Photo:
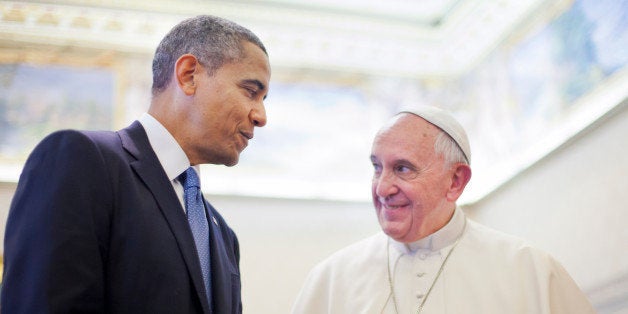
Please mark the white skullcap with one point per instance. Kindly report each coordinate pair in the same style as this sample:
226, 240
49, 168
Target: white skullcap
446, 122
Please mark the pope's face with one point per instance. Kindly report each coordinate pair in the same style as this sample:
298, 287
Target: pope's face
410, 181
227, 106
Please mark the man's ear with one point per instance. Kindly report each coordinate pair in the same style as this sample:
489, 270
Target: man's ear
460, 176
184, 70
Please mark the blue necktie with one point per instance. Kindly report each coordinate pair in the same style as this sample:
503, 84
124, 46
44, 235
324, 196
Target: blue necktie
198, 223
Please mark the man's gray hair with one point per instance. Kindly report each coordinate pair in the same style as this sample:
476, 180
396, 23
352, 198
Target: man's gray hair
212, 40
449, 149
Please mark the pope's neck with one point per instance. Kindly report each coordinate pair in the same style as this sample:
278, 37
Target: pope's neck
433, 223
447, 234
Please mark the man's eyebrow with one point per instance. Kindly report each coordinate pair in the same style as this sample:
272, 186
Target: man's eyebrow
396, 161
403, 161
255, 82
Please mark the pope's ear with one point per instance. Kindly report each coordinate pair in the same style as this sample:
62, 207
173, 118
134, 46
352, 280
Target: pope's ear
460, 176
184, 70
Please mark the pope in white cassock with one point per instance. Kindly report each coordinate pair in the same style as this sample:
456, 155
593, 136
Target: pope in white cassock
430, 258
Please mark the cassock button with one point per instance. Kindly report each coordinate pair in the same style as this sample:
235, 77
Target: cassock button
419, 295
420, 275
423, 256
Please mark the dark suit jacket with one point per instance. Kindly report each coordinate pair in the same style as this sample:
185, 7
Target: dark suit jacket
96, 227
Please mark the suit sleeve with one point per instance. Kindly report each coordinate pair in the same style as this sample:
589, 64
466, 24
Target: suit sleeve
55, 241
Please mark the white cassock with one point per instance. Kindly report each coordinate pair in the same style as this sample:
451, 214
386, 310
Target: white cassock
487, 272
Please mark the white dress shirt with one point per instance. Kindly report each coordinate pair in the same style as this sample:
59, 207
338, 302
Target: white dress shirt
171, 156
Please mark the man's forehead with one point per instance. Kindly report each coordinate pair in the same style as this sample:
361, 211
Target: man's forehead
402, 139
408, 126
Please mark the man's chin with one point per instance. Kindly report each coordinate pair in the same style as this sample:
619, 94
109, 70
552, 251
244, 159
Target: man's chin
224, 162
393, 233
231, 163
230, 160
396, 237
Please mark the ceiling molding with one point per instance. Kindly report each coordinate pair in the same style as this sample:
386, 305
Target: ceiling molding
296, 38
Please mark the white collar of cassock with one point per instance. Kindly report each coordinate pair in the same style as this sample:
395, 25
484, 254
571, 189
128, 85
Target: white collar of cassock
438, 240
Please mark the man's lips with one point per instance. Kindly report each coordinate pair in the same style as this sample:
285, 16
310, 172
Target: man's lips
248, 135
393, 207
393, 212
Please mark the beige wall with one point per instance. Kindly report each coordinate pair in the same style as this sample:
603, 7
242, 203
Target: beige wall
573, 204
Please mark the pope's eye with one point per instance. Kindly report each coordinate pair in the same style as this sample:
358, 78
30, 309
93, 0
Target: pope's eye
401, 169
405, 172
377, 169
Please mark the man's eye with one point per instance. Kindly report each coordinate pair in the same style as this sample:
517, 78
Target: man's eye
252, 92
377, 169
401, 169
406, 172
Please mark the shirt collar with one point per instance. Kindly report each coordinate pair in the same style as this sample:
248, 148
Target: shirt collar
438, 240
171, 156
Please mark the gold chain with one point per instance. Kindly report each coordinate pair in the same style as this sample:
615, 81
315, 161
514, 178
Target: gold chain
440, 270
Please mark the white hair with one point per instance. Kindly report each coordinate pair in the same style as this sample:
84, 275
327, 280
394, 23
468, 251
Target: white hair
446, 146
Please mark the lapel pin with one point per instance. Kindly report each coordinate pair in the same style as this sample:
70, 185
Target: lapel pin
215, 222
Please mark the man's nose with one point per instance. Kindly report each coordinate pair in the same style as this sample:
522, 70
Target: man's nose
258, 115
385, 184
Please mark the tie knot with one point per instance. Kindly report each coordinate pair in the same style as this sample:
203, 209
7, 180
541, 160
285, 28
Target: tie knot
190, 179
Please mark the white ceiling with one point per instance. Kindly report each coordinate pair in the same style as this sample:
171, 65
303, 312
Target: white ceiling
409, 38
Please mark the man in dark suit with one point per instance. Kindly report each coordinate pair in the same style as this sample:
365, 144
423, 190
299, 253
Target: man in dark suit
98, 223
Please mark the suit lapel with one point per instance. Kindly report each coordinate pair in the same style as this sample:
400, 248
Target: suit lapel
148, 168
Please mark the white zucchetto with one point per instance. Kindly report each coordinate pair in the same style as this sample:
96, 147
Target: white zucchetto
446, 122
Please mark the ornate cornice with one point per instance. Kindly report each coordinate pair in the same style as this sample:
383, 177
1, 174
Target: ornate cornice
296, 38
